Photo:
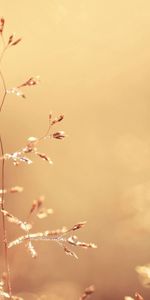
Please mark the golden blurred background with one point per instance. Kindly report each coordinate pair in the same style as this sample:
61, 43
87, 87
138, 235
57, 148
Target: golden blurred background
93, 58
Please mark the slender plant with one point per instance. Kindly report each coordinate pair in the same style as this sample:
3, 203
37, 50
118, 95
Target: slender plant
64, 237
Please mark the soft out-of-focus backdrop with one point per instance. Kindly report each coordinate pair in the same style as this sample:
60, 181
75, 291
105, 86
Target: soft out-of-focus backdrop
93, 58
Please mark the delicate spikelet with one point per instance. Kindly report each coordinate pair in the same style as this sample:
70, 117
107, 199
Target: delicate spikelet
17, 157
50, 117
58, 119
23, 225
3, 281
16, 91
10, 39
17, 298
44, 212
73, 240
33, 207
31, 81
16, 189
2, 192
18, 241
44, 157
58, 236
59, 135
4, 277
86, 245
78, 226
31, 249
2, 22
4, 294
88, 292
16, 42
23, 159
36, 205
57, 232
7, 296
40, 201
138, 297
144, 275
69, 252
32, 141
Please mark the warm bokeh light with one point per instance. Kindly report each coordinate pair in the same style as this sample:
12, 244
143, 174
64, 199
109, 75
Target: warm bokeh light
93, 59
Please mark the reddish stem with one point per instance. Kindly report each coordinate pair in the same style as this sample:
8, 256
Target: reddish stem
7, 268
